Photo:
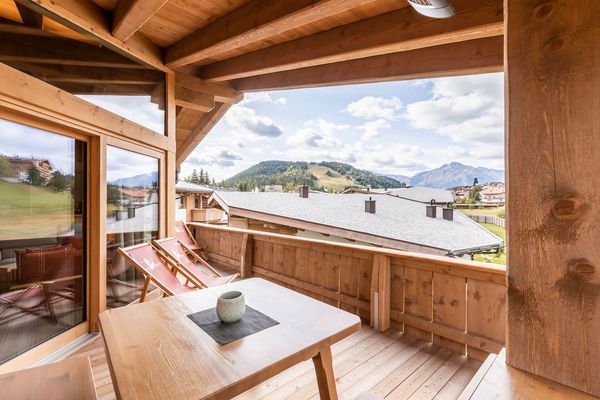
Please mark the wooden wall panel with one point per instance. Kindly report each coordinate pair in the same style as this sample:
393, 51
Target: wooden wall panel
450, 307
553, 144
486, 305
418, 299
349, 280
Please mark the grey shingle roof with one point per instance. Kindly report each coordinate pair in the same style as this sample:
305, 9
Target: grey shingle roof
396, 218
424, 194
183, 186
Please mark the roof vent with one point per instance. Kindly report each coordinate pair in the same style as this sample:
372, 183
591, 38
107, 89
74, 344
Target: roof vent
433, 8
448, 213
304, 191
430, 210
370, 206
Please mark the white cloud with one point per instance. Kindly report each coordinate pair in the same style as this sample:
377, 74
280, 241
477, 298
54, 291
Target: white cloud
318, 133
263, 97
465, 109
371, 107
247, 120
215, 156
372, 128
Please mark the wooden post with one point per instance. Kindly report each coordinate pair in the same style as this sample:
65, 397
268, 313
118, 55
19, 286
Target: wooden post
97, 230
553, 148
374, 298
246, 257
384, 292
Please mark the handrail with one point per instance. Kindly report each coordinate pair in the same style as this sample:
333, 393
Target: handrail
458, 304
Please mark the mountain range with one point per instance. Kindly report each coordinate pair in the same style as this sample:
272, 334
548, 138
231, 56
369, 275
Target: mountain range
455, 174
142, 180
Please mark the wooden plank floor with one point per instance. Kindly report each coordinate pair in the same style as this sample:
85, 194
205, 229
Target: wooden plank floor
376, 365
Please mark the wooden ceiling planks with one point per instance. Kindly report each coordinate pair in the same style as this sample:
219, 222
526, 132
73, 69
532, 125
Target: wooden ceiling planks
462, 58
392, 32
179, 18
254, 22
130, 15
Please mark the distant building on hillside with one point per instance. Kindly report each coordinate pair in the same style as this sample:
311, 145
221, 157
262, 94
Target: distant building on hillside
22, 165
379, 220
273, 188
493, 194
192, 203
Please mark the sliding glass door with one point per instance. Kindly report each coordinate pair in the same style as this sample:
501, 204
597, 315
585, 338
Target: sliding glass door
42, 236
132, 218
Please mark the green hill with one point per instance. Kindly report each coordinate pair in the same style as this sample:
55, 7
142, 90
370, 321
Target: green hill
330, 176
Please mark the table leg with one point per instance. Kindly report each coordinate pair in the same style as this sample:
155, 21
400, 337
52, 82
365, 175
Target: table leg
325, 378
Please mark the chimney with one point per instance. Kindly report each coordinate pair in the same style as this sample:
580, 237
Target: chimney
304, 191
431, 209
370, 206
448, 213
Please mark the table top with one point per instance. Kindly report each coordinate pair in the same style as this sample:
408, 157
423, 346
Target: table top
157, 352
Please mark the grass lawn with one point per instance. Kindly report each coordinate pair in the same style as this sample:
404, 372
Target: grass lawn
493, 258
31, 212
483, 211
332, 180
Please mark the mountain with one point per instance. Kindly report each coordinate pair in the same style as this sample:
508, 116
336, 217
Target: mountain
456, 174
333, 176
142, 180
399, 178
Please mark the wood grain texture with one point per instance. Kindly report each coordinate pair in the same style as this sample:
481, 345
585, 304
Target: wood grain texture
130, 15
254, 21
157, 336
393, 32
65, 380
503, 382
464, 58
553, 53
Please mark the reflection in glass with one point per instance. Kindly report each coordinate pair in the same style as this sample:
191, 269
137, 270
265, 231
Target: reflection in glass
42, 236
132, 218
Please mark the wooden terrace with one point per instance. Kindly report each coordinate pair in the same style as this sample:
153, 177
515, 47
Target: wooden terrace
433, 327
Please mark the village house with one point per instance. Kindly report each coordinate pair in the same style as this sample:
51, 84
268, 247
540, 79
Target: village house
22, 165
380, 220
493, 194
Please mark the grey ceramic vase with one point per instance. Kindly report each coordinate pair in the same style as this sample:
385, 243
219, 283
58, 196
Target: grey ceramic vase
231, 307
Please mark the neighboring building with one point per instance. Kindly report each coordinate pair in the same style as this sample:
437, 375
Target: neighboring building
133, 196
274, 188
493, 194
397, 222
418, 193
21, 166
194, 198
461, 192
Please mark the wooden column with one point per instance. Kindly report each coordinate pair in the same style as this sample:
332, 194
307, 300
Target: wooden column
170, 159
380, 292
97, 230
553, 153
246, 256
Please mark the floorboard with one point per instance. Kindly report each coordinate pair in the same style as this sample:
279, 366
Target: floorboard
367, 365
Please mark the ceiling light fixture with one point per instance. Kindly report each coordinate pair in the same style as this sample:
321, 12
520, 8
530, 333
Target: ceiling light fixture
433, 8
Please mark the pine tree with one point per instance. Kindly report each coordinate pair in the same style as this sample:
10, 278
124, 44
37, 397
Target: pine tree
34, 177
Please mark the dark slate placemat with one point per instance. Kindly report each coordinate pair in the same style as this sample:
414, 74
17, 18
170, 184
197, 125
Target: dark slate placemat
252, 322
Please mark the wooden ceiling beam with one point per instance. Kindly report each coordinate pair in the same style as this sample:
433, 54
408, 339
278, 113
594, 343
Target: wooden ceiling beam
49, 50
396, 31
88, 18
463, 58
254, 21
221, 93
188, 98
91, 75
207, 122
29, 17
130, 15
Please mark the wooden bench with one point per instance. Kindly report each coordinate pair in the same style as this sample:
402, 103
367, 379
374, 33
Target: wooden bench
70, 379
497, 380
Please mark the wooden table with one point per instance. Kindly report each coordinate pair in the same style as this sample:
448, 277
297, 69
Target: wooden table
156, 352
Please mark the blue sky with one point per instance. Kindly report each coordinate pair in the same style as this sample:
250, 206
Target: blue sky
394, 127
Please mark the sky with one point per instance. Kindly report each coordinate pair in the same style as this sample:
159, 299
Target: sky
398, 128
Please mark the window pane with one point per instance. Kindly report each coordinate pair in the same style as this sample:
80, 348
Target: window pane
132, 218
42, 236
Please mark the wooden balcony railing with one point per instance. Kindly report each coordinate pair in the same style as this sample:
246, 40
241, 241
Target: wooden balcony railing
206, 215
456, 303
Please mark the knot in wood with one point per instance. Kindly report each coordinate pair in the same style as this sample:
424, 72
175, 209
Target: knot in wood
569, 208
582, 267
543, 10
